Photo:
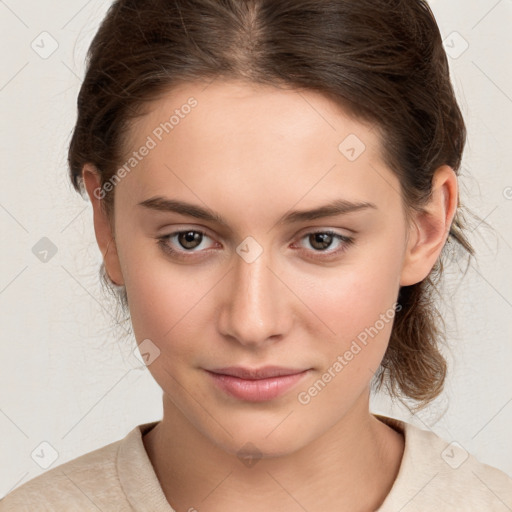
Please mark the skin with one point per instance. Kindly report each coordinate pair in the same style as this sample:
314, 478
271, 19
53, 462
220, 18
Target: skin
252, 153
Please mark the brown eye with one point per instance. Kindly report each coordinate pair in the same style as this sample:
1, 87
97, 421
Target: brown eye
320, 241
190, 239
185, 243
326, 244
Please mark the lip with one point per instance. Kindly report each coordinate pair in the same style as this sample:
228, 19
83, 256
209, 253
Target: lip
256, 384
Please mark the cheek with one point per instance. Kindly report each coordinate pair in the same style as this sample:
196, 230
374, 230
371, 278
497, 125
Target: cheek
164, 310
360, 310
162, 304
355, 296
159, 292
357, 303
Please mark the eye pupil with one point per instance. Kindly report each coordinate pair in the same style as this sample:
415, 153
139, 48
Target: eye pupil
190, 239
324, 239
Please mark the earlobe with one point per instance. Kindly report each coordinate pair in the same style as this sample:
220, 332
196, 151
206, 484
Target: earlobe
430, 228
105, 237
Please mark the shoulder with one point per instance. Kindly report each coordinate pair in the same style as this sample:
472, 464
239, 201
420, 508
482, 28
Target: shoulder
85, 483
436, 474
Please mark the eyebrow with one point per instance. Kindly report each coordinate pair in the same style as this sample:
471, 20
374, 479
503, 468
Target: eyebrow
335, 207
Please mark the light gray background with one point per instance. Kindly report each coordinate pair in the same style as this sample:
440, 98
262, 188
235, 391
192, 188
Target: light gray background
64, 379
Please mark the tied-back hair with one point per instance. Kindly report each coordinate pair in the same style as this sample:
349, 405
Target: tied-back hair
382, 61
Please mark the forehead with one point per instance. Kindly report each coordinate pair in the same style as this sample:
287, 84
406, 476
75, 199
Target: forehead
243, 108
233, 137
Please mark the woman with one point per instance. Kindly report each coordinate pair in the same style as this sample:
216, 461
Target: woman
273, 185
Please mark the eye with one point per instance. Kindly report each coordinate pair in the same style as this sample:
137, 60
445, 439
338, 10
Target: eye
185, 242
182, 242
322, 240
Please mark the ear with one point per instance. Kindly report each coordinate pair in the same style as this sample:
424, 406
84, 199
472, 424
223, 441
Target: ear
105, 236
430, 229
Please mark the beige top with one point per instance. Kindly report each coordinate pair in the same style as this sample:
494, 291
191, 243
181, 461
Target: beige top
434, 476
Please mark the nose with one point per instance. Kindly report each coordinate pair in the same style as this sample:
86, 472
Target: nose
254, 311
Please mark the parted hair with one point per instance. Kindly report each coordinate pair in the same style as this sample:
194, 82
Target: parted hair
382, 61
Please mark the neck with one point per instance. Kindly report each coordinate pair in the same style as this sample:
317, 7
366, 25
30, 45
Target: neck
352, 466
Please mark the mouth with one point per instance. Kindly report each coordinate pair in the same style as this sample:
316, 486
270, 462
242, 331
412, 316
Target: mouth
256, 384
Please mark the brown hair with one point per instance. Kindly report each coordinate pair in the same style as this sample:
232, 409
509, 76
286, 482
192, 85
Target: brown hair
381, 60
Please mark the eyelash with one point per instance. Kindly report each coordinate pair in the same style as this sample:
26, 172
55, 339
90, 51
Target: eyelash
347, 241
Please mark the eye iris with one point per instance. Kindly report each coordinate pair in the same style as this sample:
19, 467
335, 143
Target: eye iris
324, 239
190, 239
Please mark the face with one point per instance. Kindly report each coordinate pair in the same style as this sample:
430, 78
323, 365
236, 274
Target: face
236, 279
